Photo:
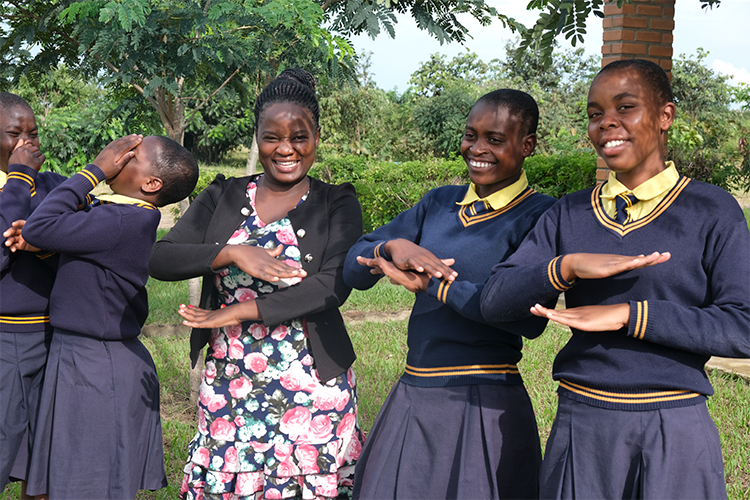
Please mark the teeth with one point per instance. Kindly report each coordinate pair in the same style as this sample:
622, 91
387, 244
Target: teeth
479, 164
612, 144
286, 163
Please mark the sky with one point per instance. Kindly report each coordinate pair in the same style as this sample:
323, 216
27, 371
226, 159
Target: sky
722, 32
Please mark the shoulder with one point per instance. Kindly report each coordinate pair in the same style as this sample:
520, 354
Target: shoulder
447, 195
540, 201
50, 179
333, 193
708, 200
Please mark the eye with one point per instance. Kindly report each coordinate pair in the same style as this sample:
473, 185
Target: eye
593, 114
468, 136
494, 140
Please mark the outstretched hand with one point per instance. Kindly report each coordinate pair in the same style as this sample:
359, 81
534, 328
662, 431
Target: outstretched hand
196, 317
412, 281
258, 262
117, 154
26, 153
588, 318
409, 256
596, 265
14, 238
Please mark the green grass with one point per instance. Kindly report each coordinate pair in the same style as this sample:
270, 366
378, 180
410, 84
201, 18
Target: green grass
382, 297
747, 216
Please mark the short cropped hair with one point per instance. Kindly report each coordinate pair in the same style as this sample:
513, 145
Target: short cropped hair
294, 85
177, 169
653, 74
9, 101
518, 103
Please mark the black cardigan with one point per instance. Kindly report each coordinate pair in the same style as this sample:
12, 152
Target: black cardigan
327, 224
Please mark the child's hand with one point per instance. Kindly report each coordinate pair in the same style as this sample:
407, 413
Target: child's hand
262, 263
27, 154
596, 265
15, 240
412, 281
588, 318
195, 317
117, 154
409, 256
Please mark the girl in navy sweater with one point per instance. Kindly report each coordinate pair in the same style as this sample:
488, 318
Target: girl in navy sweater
459, 423
26, 277
632, 420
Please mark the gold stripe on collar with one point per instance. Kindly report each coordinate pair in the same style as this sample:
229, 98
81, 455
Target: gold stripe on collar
124, 200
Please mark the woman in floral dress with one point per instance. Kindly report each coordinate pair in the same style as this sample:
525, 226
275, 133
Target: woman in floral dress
277, 413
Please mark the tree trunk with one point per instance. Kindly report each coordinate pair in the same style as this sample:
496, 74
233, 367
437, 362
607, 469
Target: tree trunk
252, 158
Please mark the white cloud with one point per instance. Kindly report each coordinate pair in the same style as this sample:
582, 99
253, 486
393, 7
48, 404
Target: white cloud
738, 74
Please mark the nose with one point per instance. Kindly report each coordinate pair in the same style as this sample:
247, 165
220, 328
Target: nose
285, 147
479, 146
608, 120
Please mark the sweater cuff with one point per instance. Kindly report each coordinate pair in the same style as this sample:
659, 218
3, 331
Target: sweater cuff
554, 275
22, 169
438, 288
93, 175
638, 319
380, 251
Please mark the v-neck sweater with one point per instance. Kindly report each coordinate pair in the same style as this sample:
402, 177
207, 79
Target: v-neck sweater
695, 305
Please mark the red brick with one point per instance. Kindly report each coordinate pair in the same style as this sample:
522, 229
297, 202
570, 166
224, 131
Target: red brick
662, 24
648, 36
666, 65
611, 9
628, 48
607, 48
668, 12
607, 22
667, 38
649, 10
660, 50
617, 35
630, 22
654, 60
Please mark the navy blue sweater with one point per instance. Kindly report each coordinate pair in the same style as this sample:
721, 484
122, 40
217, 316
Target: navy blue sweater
449, 341
683, 311
100, 289
25, 278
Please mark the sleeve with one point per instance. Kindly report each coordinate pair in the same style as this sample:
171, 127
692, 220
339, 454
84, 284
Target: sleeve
324, 289
59, 226
722, 328
183, 253
406, 225
15, 203
531, 275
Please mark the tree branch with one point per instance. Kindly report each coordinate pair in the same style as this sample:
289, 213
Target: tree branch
203, 103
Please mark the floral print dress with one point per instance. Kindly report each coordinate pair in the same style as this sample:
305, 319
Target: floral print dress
267, 426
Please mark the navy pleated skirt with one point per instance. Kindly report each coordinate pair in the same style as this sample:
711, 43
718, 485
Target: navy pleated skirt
99, 433
600, 453
470, 441
22, 360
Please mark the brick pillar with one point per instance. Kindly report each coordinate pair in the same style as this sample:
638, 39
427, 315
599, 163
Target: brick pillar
641, 29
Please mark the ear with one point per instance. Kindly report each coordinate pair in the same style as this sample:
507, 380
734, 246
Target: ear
151, 185
529, 143
667, 115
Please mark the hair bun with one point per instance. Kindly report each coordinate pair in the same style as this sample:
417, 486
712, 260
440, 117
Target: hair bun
299, 75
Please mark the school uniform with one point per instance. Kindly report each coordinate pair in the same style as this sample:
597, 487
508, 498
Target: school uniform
99, 432
632, 420
25, 283
459, 422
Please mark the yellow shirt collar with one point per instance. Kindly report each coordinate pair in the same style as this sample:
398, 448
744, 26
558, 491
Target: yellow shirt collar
3, 178
125, 200
499, 199
653, 187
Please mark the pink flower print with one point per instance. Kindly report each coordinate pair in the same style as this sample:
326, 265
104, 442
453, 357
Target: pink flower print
282, 451
326, 485
325, 398
239, 421
211, 400
307, 456
244, 294
291, 381
261, 447
353, 449
280, 332
258, 330
342, 400
307, 360
295, 422
256, 362
221, 430
236, 349
247, 484
351, 378
223, 272
184, 486
272, 494
202, 457
231, 370
292, 263
202, 421
346, 426
233, 331
209, 372
287, 469
230, 460
240, 387
321, 430
239, 236
219, 347
285, 235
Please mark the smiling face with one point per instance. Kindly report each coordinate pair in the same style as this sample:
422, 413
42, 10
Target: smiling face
138, 171
287, 140
626, 125
16, 122
494, 147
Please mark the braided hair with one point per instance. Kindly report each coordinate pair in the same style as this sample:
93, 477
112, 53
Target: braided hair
293, 85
